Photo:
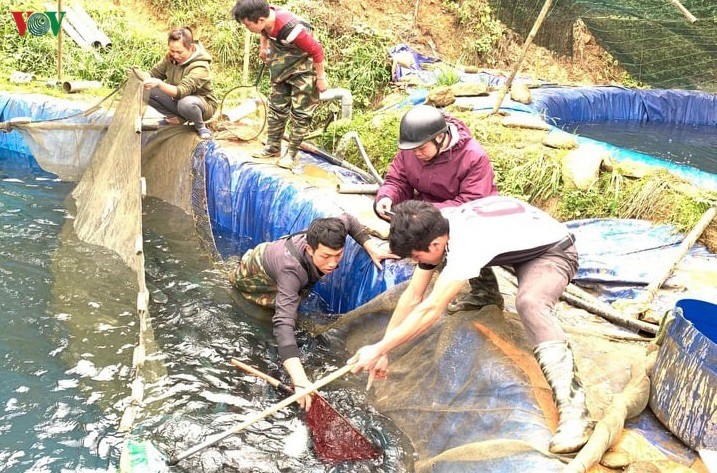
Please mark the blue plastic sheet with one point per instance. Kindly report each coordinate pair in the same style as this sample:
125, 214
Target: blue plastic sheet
16, 154
619, 103
418, 60
620, 257
249, 205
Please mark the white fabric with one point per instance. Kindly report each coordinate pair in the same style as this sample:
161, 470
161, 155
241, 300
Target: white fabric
484, 228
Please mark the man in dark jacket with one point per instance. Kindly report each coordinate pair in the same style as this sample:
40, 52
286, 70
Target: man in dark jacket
439, 162
181, 84
281, 273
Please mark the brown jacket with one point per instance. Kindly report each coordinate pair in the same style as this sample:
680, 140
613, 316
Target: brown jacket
193, 77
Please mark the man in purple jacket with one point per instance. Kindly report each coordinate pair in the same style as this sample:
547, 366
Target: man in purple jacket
439, 162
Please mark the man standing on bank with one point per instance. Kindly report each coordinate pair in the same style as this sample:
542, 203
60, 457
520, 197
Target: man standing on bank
281, 273
494, 230
296, 69
439, 162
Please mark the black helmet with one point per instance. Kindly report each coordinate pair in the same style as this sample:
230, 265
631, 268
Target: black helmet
420, 125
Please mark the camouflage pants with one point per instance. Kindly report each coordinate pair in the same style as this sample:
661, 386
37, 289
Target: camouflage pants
293, 94
251, 280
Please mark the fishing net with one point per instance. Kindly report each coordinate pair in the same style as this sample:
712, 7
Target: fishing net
654, 41
335, 439
101, 148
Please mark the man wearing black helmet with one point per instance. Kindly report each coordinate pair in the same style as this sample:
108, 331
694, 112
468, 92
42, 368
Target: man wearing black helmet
439, 162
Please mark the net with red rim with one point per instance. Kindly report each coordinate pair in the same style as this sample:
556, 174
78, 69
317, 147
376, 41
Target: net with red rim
335, 438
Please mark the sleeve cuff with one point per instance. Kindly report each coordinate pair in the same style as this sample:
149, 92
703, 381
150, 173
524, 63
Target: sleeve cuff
289, 351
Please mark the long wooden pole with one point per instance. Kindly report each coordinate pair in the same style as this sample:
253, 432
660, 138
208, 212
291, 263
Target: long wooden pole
641, 305
59, 43
690, 17
528, 42
262, 415
247, 52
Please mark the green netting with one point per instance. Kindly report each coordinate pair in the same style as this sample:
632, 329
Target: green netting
652, 39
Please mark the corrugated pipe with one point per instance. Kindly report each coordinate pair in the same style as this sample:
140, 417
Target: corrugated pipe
347, 100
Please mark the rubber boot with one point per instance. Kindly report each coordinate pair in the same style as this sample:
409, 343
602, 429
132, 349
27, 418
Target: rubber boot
574, 426
290, 160
484, 291
269, 151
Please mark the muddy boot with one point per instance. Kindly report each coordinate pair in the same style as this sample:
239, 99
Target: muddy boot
289, 161
269, 151
574, 426
484, 291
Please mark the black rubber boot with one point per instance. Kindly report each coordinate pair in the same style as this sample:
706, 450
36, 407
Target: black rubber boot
574, 426
484, 291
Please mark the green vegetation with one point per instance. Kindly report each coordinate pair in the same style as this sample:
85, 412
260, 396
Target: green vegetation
356, 59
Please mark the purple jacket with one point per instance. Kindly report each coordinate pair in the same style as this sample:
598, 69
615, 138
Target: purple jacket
460, 174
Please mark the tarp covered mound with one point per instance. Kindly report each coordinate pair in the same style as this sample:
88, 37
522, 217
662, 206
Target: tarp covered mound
470, 395
619, 257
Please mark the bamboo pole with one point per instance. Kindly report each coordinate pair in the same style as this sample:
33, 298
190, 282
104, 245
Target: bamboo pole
690, 17
247, 51
59, 44
528, 42
641, 305
262, 415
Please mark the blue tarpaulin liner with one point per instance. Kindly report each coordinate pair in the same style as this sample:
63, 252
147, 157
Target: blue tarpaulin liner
576, 104
622, 256
249, 205
16, 153
594, 104
64, 152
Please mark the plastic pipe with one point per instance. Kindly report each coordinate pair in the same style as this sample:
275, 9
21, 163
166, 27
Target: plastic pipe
348, 188
237, 113
78, 85
347, 100
362, 152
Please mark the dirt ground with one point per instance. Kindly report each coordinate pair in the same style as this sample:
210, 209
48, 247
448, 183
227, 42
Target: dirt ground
428, 27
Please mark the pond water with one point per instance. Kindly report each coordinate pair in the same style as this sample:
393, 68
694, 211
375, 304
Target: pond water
70, 331
65, 359
688, 145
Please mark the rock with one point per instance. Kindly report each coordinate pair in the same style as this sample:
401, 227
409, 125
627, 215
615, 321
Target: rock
440, 96
470, 90
581, 166
520, 93
525, 120
560, 140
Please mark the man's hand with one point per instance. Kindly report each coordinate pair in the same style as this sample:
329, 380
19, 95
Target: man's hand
383, 208
299, 380
378, 252
369, 358
304, 402
151, 83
